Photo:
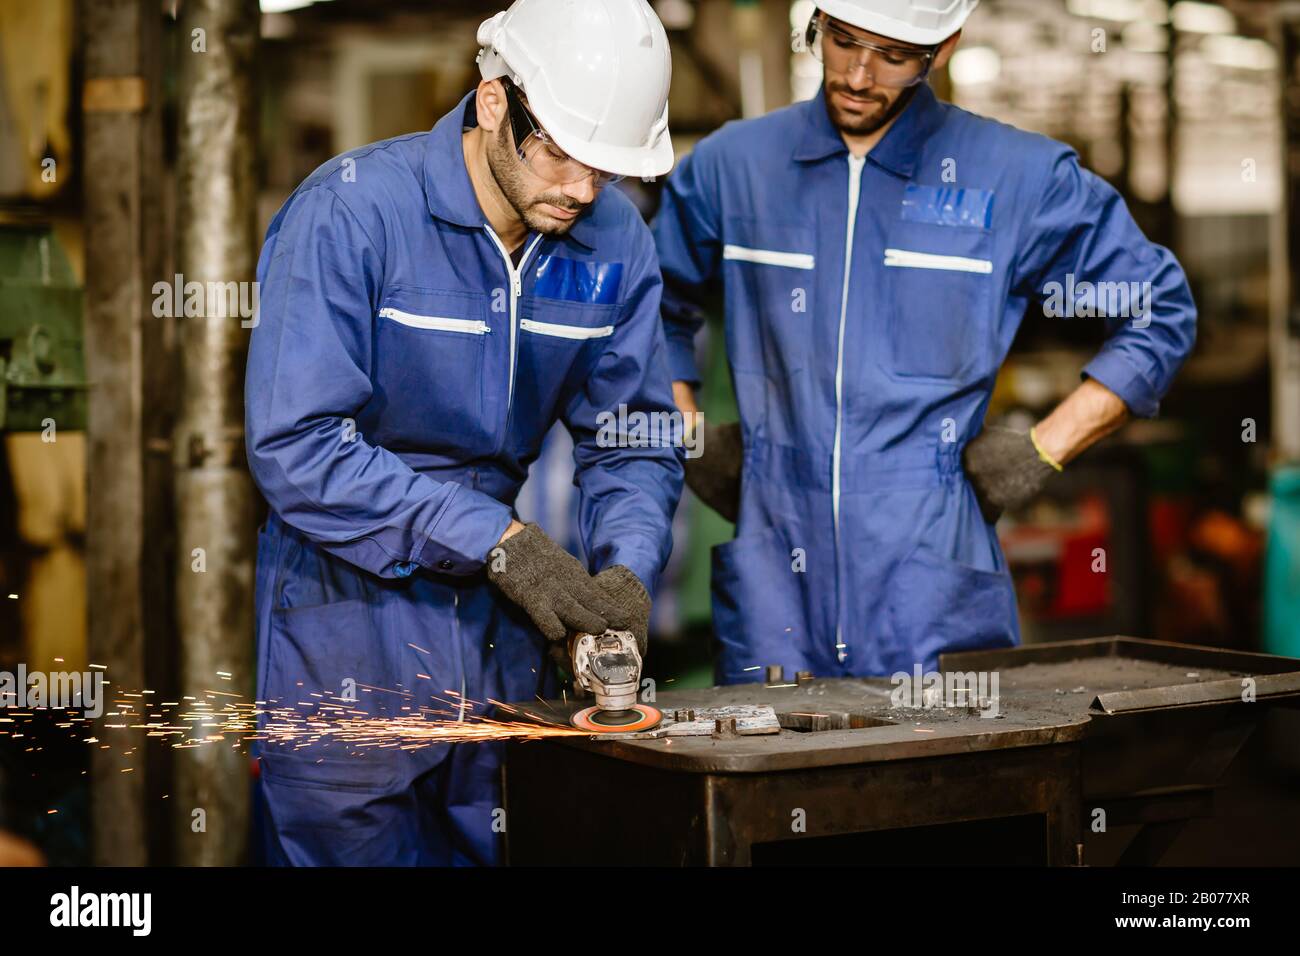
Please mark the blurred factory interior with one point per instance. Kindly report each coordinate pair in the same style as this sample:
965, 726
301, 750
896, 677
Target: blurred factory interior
122, 428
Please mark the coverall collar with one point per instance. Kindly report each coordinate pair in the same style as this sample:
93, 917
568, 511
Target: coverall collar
447, 184
896, 152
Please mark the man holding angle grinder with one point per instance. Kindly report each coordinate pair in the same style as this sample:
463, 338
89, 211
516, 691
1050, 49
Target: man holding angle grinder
877, 250
430, 306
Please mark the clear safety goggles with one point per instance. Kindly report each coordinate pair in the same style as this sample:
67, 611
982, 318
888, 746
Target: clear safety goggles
538, 151
843, 52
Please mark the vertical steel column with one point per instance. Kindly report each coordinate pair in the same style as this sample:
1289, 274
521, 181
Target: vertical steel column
125, 527
216, 228
1284, 338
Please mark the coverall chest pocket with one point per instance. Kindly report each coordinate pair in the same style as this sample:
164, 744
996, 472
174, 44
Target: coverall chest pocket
940, 318
769, 269
559, 342
429, 354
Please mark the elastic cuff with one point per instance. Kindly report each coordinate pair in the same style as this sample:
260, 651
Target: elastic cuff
1118, 374
681, 362
1042, 455
464, 533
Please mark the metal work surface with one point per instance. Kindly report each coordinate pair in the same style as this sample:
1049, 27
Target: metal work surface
1138, 729
1114, 675
1047, 694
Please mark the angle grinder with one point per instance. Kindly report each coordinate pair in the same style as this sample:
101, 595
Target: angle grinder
608, 666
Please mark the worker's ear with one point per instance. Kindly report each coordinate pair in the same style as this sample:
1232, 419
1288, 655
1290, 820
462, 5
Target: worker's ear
490, 101
942, 57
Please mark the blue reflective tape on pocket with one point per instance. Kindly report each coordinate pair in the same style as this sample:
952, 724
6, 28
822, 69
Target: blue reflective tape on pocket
571, 280
948, 206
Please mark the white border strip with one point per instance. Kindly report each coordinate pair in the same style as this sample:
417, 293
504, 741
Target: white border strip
927, 260
566, 331
766, 257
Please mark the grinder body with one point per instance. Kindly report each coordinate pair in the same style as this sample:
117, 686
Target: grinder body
608, 666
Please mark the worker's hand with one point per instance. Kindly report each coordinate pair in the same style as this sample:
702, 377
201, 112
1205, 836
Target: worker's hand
1005, 469
550, 584
627, 592
715, 475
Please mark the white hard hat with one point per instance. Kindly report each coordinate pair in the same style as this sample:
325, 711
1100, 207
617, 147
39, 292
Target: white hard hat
596, 73
924, 22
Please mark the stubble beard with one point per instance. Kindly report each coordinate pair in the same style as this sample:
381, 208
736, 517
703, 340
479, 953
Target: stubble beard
508, 171
856, 125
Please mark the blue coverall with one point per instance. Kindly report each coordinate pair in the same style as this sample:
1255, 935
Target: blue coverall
869, 304
401, 378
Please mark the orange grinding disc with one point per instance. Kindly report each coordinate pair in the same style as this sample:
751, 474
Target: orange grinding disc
636, 718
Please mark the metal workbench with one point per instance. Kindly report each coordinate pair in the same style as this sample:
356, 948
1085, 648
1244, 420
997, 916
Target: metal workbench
1137, 731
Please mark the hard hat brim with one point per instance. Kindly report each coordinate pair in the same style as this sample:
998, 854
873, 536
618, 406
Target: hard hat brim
642, 162
887, 26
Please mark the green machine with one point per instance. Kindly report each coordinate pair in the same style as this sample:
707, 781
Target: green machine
42, 362
1282, 566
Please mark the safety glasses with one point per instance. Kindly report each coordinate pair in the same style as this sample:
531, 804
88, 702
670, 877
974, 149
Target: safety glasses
538, 151
843, 52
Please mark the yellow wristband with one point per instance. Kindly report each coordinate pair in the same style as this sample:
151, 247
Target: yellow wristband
1042, 454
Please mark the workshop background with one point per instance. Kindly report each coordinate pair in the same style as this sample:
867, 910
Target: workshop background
128, 157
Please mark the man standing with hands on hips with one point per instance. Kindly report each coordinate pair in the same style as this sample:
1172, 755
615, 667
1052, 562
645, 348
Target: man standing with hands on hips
877, 250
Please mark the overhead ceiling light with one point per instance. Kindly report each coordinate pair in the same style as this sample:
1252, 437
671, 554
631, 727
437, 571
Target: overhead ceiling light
1239, 53
1191, 17
974, 65
283, 6
1121, 11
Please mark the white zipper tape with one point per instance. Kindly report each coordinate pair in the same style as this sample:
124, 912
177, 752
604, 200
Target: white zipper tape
907, 259
856, 165
435, 322
566, 331
767, 257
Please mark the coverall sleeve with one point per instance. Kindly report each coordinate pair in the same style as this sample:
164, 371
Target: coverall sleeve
1082, 232
629, 480
688, 238
308, 378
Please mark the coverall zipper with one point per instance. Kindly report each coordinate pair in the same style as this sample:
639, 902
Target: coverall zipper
516, 290
855, 188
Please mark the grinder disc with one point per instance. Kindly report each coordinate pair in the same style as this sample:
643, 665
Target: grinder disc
636, 718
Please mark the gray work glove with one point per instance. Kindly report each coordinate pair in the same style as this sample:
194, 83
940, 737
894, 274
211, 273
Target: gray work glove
551, 585
1005, 469
715, 475
626, 591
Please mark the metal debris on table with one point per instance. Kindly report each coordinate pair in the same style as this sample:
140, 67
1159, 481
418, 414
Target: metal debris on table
740, 720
